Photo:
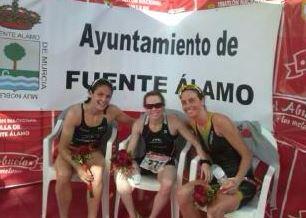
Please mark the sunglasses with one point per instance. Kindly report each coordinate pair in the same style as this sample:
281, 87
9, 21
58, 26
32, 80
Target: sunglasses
156, 105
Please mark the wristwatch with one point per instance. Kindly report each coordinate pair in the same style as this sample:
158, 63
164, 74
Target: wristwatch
202, 161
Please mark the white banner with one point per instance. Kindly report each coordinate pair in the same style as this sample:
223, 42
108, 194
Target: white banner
228, 52
20, 54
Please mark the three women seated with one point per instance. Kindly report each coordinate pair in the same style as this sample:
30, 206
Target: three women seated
215, 139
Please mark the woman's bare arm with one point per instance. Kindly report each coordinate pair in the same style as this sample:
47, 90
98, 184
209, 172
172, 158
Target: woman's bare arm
225, 127
71, 120
121, 116
135, 134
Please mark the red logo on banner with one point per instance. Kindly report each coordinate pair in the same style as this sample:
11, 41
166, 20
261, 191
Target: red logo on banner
298, 67
15, 17
19, 160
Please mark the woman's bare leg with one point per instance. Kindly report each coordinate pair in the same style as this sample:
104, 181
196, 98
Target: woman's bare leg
224, 203
166, 179
125, 190
96, 167
63, 186
185, 200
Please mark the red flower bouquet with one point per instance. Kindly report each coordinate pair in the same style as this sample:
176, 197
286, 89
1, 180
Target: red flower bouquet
81, 156
204, 194
246, 133
122, 162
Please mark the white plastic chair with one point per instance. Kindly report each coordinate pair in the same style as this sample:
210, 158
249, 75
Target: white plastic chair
148, 183
49, 171
257, 206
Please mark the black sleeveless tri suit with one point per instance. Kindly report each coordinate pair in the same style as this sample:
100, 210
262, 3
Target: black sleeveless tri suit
87, 135
161, 142
223, 154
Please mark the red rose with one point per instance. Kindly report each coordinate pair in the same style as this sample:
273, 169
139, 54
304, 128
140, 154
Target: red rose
81, 156
246, 133
203, 194
123, 158
199, 195
122, 161
84, 150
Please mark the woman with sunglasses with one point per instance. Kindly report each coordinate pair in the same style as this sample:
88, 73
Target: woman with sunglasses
84, 125
158, 132
221, 140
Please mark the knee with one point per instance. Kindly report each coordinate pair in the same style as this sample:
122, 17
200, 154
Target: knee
166, 186
123, 187
214, 211
123, 190
183, 195
97, 174
63, 178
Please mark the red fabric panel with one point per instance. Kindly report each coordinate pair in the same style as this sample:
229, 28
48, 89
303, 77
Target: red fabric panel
290, 111
21, 135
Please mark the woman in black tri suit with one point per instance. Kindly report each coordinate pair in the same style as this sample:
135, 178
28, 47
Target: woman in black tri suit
221, 140
158, 132
84, 125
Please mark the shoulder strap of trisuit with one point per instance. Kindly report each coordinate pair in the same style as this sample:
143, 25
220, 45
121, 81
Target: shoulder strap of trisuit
204, 145
145, 120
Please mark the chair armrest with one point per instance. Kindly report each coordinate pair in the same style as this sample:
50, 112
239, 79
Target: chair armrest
181, 163
47, 143
123, 144
55, 131
109, 146
193, 168
261, 207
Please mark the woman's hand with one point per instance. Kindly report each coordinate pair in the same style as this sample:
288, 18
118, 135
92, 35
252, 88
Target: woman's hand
206, 172
135, 169
230, 186
84, 174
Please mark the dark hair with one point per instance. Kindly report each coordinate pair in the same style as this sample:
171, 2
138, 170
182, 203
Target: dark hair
96, 84
153, 93
194, 88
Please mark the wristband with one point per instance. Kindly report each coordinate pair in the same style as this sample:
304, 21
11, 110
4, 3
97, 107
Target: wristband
202, 161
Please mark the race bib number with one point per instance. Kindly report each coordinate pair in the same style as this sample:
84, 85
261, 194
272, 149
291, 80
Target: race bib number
154, 162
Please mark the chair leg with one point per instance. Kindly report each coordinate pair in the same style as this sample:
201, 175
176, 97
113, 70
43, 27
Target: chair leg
117, 202
46, 184
174, 206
